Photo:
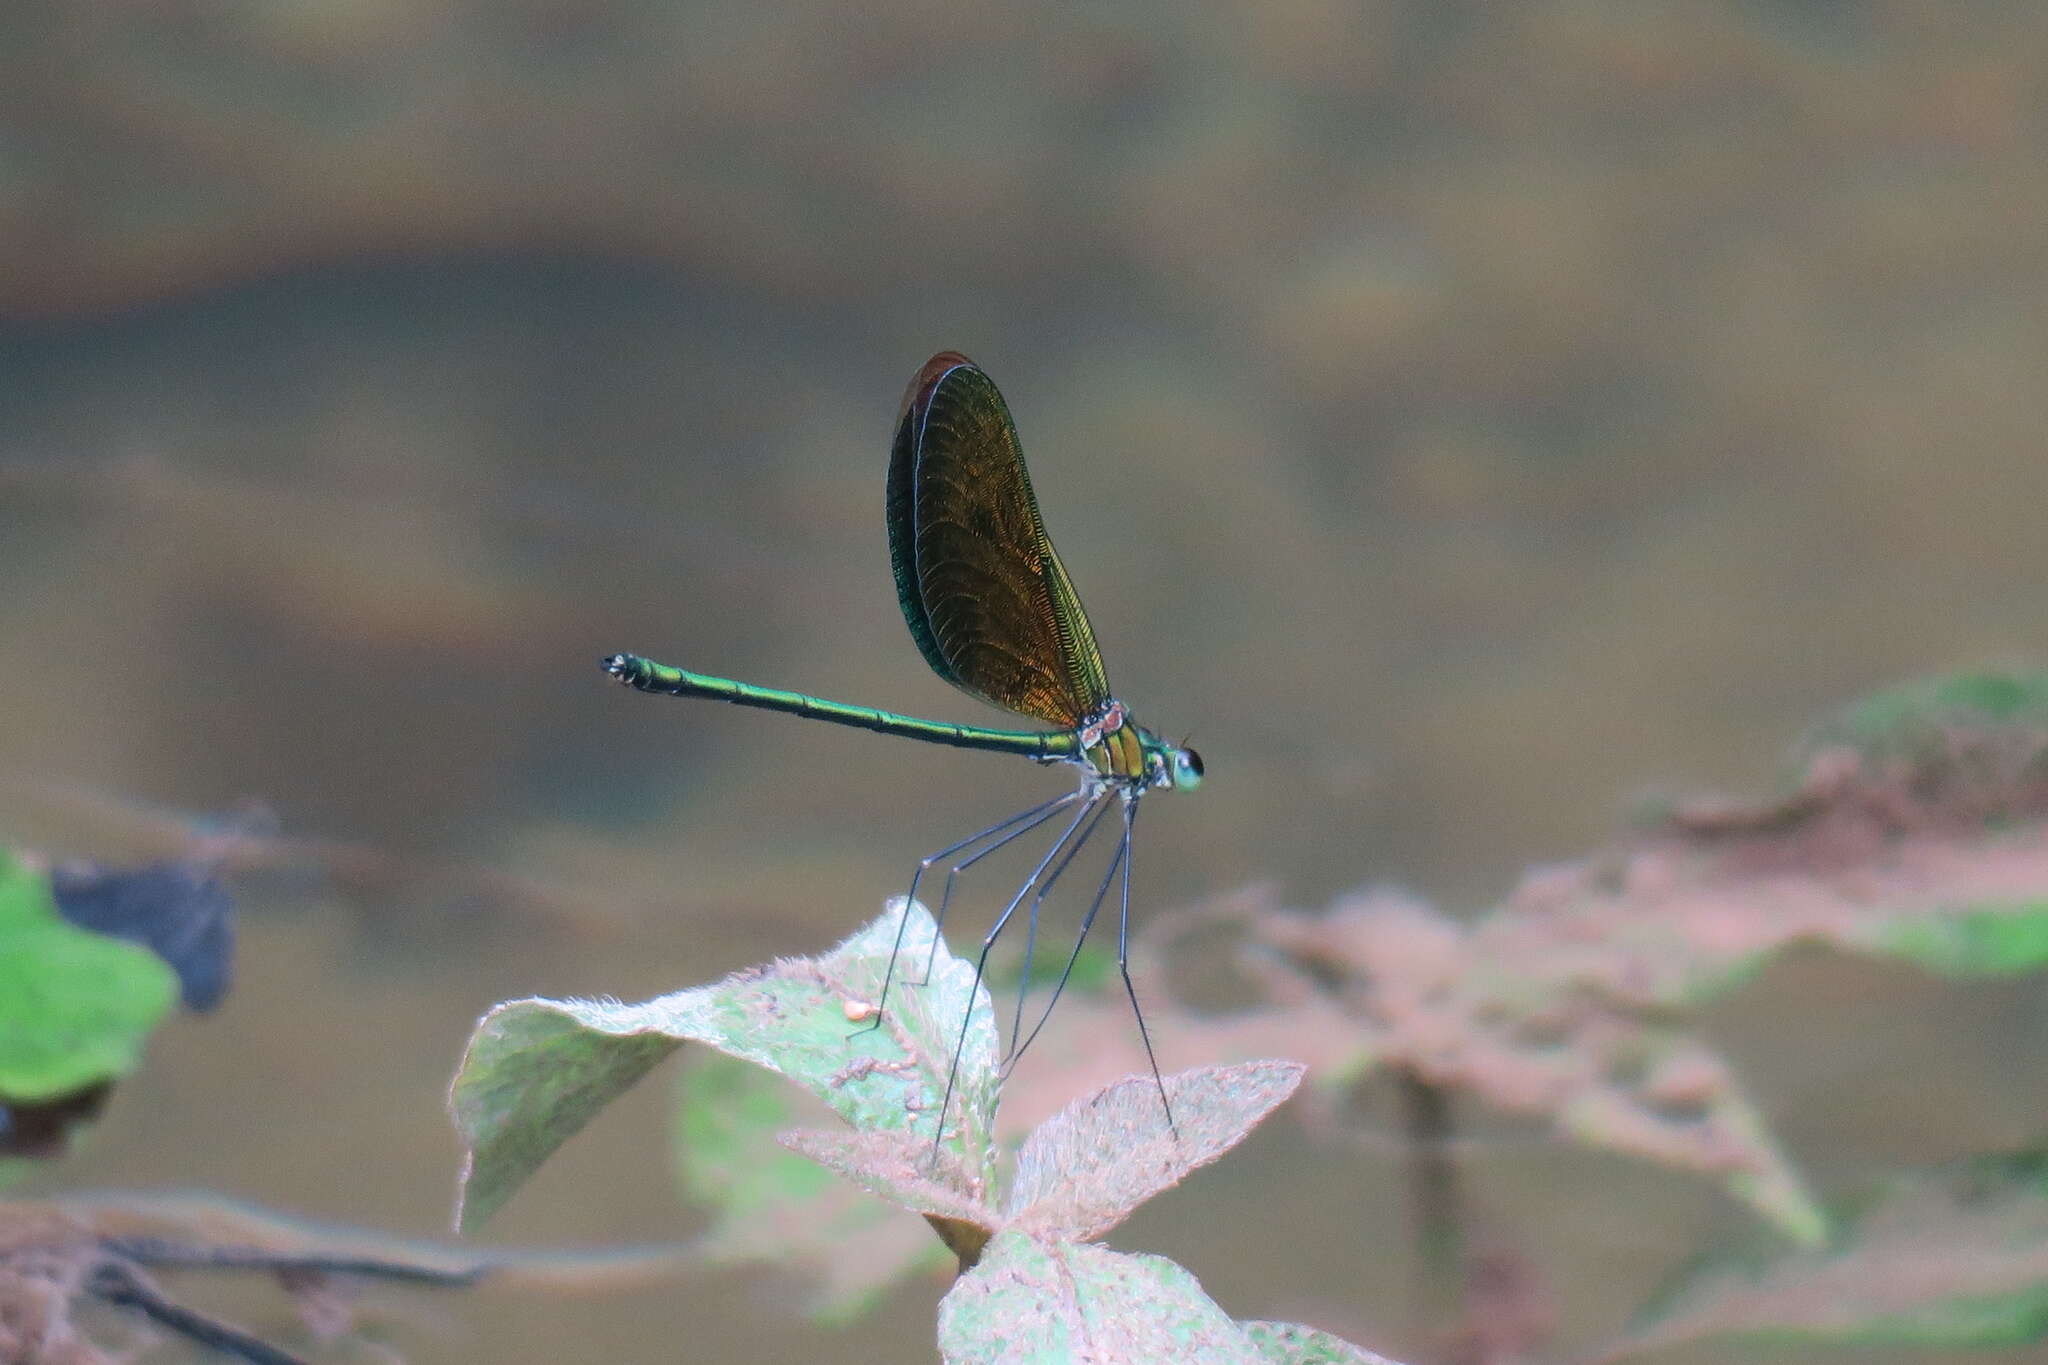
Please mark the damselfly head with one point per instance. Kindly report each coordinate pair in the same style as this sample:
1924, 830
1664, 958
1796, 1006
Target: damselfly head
1172, 766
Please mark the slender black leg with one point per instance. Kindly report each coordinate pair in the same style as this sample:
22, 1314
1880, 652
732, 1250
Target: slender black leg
1088, 808
1123, 963
1080, 938
1031, 930
1023, 822
1033, 818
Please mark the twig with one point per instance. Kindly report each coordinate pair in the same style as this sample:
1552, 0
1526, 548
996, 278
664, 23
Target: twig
121, 1283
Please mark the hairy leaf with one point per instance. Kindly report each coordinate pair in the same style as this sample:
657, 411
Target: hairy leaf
1031, 1300
1285, 1343
537, 1070
902, 1168
1085, 1169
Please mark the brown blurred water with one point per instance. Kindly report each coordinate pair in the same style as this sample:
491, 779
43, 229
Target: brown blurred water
1462, 420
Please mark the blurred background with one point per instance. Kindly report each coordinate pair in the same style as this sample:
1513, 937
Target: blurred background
1463, 419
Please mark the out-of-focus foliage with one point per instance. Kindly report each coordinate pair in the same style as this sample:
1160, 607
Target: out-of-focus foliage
1917, 829
1955, 1258
75, 1010
178, 910
771, 1205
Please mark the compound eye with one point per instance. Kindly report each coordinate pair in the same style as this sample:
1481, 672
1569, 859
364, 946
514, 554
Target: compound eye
1192, 761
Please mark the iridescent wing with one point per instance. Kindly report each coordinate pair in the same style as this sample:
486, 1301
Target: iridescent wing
982, 588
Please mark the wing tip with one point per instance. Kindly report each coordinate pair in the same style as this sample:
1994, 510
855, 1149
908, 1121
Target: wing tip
927, 378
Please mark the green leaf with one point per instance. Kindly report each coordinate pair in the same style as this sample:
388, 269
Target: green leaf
727, 1115
537, 1070
75, 1006
1955, 1258
179, 910
1912, 721
1992, 941
778, 1207
1032, 1300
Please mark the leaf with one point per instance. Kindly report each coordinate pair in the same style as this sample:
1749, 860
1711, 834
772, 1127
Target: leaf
1085, 1169
1918, 829
75, 1006
1955, 1258
895, 1165
726, 1116
177, 911
1919, 823
1031, 1300
1288, 1344
1918, 724
1503, 1014
775, 1206
1998, 941
42, 1130
537, 1070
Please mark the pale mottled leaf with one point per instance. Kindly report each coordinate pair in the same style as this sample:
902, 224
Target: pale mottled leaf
537, 1070
1085, 1169
1033, 1302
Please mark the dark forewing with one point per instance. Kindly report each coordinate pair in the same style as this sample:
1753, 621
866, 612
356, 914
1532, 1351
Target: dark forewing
981, 586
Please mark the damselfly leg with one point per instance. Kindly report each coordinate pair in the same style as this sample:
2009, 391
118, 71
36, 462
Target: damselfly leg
1031, 931
1009, 830
1121, 861
1058, 856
